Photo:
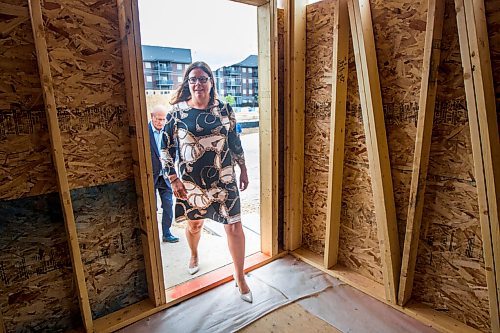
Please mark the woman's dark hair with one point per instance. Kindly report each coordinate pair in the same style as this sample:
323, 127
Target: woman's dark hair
183, 94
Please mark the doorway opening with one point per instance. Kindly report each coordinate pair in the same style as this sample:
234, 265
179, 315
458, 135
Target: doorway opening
237, 77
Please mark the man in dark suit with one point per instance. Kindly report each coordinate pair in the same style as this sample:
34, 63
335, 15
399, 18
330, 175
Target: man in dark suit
162, 185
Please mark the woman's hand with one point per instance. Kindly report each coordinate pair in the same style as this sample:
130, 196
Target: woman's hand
179, 189
243, 178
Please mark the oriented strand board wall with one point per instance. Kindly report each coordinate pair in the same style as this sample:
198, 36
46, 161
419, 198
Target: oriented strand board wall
450, 274
36, 280
36, 284
84, 48
26, 168
317, 119
450, 266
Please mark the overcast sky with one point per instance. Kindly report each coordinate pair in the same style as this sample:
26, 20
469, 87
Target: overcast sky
219, 32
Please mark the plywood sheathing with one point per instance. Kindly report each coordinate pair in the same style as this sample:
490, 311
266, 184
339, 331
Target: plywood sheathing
451, 196
85, 59
450, 264
36, 281
358, 248
87, 70
399, 29
110, 241
319, 24
25, 163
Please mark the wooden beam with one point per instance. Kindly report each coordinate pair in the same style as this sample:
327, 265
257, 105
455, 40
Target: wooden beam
437, 320
432, 53
376, 142
337, 131
480, 95
135, 93
58, 160
268, 114
295, 72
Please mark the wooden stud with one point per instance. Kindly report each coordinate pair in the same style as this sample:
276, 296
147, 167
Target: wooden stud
480, 96
489, 131
432, 318
58, 160
376, 142
295, 72
432, 53
268, 115
135, 92
337, 131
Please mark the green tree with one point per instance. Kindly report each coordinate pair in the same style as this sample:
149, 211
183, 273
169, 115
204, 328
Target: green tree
230, 99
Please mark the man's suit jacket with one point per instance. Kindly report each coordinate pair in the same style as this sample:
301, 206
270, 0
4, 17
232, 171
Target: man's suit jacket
158, 180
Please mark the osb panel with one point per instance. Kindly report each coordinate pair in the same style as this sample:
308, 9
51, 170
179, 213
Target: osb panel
399, 32
317, 122
359, 247
25, 165
108, 232
36, 279
450, 274
86, 65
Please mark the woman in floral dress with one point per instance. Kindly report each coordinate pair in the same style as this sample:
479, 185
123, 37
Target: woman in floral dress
200, 134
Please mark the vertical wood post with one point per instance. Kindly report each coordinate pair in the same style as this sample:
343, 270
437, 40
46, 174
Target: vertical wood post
295, 72
481, 108
340, 64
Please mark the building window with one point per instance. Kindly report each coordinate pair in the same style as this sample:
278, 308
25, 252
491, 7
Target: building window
179, 79
244, 70
250, 71
244, 91
250, 81
149, 78
179, 67
147, 64
250, 92
244, 80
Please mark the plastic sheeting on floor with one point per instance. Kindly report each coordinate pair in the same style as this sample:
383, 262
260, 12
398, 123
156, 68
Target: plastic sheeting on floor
279, 283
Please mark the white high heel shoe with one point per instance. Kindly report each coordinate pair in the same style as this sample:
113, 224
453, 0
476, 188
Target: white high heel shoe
247, 297
194, 270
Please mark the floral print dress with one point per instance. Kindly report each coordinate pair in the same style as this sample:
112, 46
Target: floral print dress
205, 145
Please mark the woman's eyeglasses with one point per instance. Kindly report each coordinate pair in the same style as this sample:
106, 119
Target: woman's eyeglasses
201, 79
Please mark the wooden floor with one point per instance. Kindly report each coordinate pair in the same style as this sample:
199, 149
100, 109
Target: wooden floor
290, 318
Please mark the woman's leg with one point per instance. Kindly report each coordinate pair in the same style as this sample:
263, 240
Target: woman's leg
236, 243
193, 234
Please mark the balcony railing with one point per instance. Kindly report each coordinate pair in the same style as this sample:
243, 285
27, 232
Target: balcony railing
231, 71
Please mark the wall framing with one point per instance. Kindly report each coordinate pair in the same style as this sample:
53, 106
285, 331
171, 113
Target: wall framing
59, 163
489, 154
294, 105
61, 75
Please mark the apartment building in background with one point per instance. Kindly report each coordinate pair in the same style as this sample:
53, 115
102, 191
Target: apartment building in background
164, 68
240, 81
